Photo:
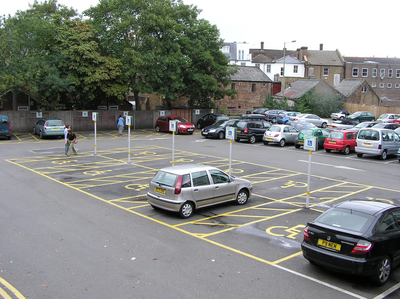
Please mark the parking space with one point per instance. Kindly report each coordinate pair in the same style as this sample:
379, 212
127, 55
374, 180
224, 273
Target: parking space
272, 221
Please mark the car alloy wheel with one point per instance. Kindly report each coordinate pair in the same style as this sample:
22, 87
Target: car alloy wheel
252, 139
384, 155
41, 135
186, 210
221, 135
282, 142
382, 272
242, 197
346, 150
323, 125
157, 128
198, 126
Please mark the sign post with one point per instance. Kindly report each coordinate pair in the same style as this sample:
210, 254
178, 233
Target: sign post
172, 128
231, 135
310, 144
95, 118
128, 121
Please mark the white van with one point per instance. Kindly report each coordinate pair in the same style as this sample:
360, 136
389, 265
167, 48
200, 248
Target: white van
377, 142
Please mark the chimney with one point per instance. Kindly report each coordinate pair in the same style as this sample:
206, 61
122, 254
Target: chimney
262, 45
302, 53
321, 47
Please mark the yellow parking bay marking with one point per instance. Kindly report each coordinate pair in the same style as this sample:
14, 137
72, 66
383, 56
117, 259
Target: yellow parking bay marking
11, 288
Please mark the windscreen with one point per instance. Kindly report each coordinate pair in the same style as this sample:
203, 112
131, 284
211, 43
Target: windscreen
55, 123
336, 135
165, 178
181, 120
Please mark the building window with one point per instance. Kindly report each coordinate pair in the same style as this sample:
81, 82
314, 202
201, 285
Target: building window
281, 71
311, 71
326, 71
397, 73
390, 73
258, 65
389, 85
374, 72
295, 69
226, 49
364, 73
373, 84
355, 72
243, 63
397, 85
233, 86
364, 89
382, 73
381, 85
268, 68
253, 87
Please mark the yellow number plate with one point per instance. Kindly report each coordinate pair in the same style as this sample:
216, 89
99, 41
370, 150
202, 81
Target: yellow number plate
55, 128
238, 131
301, 142
328, 244
367, 144
159, 190
332, 141
270, 139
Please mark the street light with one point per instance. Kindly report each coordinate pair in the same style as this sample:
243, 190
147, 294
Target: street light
283, 72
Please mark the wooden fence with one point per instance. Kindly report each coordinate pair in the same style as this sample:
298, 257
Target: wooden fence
376, 110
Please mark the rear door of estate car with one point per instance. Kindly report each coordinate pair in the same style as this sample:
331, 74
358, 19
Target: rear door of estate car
202, 189
224, 189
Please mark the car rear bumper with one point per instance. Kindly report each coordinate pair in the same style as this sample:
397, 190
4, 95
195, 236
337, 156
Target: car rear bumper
5, 134
209, 134
169, 205
334, 146
339, 262
368, 151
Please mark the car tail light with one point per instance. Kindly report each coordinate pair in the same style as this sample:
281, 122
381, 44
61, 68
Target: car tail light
266, 114
297, 137
45, 125
178, 186
9, 126
362, 247
276, 135
246, 131
306, 236
283, 116
380, 146
341, 142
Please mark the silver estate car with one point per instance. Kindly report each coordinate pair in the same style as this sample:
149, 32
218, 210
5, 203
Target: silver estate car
188, 187
281, 134
377, 142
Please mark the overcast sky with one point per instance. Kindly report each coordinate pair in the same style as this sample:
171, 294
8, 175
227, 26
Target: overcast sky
355, 27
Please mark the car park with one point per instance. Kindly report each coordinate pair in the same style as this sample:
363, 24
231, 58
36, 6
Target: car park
210, 118
341, 124
251, 130
254, 116
391, 126
311, 118
396, 120
185, 188
387, 117
299, 125
280, 134
340, 140
284, 117
48, 127
366, 124
362, 116
357, 237
5, 127
259, 111
377, 142
321, 134
217, 130
272, 115
182, 127
342, 114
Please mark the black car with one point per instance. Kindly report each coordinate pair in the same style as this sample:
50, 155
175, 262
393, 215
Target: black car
272, 115
217, 130
391, 126
358, 237
251, 130
259, 111
210, 118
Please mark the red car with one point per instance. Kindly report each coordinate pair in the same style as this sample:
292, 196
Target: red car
341, 140
183, 126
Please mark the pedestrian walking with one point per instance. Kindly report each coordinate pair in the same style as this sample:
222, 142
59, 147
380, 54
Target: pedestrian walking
120, 125
67, 127
71, 139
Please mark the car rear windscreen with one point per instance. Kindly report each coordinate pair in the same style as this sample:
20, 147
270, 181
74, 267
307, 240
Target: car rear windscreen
165, 178
54, 123
369, 135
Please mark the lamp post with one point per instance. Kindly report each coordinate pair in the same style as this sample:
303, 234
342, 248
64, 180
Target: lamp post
283, 72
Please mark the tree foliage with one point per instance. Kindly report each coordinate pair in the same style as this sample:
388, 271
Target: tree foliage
319, 104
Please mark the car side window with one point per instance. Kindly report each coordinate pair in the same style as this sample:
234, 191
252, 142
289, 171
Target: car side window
219, 177
396, 137
292, 130
349, 136
200, 178
388, 223
286, 129
258, 125
186, 181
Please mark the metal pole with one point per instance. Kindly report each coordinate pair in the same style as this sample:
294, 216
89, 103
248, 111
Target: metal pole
283, 72
230, 156
129, 144
95, 138
308, 180
173, 148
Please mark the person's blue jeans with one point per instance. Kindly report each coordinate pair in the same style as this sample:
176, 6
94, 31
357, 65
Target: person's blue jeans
66, 147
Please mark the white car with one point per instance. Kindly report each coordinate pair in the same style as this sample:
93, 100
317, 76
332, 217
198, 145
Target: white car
310, 118
281, 134
342, 114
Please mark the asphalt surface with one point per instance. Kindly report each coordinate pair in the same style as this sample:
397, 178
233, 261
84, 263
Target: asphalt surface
80, 227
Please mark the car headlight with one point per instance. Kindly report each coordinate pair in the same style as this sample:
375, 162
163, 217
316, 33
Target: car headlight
212, 131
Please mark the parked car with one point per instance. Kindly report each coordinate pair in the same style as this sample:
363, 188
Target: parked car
217, 130
259, 111
366, 124
284, 117
272, 115
46, 127
321, 134
398, 155
251, 130
210, 118
391, 126
396, 120
342, 114
311, 118
5, 127
341, 140
341, 124
362, 116
281, 134
185, 188
183, 126
357, 237
387, 117
254, 116
377, 142
299, 125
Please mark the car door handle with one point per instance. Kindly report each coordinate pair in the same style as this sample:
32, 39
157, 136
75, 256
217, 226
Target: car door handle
216, 187
195, 190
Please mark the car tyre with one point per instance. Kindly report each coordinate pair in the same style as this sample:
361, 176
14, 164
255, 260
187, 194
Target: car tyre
198, 126
242, 197
359, 155
381, 276
266, 142
252, 139
274, 120
297, 146
41, 135
346, 150
282, 142
383, 156
33, 132
221, 135
323, 125
342, 117
157, 128
327, 150
237, 139
186, 210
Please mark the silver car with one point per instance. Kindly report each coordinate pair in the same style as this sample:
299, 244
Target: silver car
377, 142
387, 117
188, 187
310, 118
281, 134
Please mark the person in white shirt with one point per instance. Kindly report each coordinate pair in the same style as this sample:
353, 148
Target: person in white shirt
67, 127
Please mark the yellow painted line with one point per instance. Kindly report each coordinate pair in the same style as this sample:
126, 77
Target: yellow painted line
11, 288
136, 207
287, 258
